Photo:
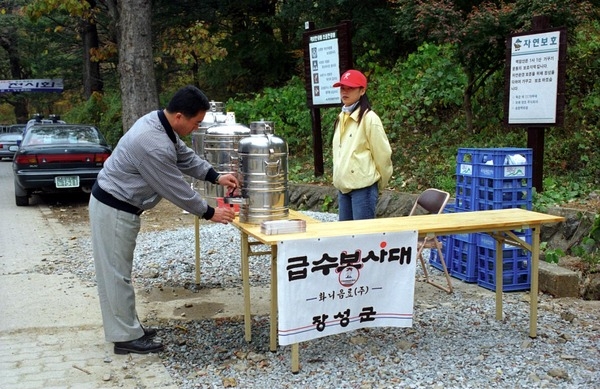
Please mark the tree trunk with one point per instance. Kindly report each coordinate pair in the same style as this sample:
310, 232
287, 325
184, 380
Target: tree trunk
92, 80
138, 84
9, 42
467, 103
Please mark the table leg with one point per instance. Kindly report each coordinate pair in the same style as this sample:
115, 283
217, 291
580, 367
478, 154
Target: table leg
295, 358
197, 247
499, 278
246, 286
273, 315
533, 292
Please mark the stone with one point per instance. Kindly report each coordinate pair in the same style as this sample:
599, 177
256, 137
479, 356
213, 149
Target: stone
591, 287
558, 373
558, 281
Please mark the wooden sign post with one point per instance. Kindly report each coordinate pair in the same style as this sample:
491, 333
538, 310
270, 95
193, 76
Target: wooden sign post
327, 54
535, 86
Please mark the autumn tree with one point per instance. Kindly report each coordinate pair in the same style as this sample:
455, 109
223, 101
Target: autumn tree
81, 17
10, 42
184, 42
30, 49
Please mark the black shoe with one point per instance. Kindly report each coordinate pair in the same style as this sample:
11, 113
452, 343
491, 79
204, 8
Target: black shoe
149, 332
143, 345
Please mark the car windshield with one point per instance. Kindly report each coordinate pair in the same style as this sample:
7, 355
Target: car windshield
60, 135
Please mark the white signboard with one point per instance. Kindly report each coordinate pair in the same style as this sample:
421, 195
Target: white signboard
37, 85
325, 68
534, 78
332, 285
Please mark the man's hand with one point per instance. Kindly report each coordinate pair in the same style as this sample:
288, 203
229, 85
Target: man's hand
229, 181
223, 215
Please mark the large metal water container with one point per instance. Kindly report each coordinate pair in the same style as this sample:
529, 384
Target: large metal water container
221, 142
263, 173
215, 115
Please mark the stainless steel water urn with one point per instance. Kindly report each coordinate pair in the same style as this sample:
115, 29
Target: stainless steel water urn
221, 150
215, 115
263, 173
262, 127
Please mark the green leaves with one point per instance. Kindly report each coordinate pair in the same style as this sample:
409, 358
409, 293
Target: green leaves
286, 107
551, 255
418, 89
559, 191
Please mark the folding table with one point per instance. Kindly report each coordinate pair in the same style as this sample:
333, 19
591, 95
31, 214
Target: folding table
499, 224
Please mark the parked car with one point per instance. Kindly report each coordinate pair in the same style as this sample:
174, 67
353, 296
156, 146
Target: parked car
13, 128
58, 158
39, 119
9, 144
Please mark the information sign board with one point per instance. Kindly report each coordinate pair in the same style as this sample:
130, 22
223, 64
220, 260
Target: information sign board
325, 68
535, 79
327, 54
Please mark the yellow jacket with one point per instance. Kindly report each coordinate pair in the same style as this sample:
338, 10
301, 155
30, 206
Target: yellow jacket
361, 153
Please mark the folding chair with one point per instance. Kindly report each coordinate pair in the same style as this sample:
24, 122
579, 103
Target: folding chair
431, 201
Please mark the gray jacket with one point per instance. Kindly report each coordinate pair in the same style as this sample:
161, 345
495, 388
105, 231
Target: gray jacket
147, 166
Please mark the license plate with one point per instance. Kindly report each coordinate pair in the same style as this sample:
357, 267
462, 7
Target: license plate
67, 181
13, 148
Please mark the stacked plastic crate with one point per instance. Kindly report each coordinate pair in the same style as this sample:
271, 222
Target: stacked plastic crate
434, 257
488, 179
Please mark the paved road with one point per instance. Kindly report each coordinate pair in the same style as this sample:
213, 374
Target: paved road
50, 326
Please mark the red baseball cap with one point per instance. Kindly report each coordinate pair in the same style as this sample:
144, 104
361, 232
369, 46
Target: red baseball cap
353, 79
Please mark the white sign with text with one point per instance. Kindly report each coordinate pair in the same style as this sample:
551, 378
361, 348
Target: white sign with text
325, 68
332, 285
534, 78
36, 85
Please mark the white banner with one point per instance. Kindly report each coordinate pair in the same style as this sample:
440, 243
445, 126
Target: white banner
38, 85
328, 286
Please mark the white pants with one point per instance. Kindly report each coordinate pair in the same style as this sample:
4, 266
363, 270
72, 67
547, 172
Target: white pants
114, 236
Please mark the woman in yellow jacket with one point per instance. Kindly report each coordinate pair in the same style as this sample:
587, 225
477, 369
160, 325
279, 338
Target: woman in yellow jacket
362, 164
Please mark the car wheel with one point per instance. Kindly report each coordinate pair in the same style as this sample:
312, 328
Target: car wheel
21, 200
21, 195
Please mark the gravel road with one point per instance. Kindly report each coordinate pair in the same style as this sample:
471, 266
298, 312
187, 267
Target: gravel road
455, 340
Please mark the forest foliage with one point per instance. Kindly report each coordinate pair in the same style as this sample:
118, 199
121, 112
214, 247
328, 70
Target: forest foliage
435, 72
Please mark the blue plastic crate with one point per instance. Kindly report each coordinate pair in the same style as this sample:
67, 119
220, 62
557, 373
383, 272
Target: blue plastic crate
462, 257
504, 171
486, 179
465, 191
434, 257
500, 163
482, 205
465, 160
516, 263
521, 186
466, 181
461, 209
503, 193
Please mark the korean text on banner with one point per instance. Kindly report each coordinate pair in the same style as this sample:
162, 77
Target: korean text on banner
333, 285
37, 85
